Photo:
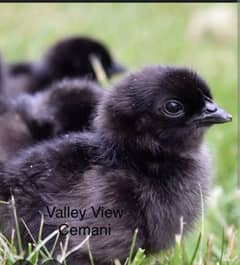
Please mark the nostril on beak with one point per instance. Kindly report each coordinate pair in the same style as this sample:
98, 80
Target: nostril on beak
211, 107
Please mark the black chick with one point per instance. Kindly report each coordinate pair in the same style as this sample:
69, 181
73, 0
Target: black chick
145, 158
68, 106
70, 57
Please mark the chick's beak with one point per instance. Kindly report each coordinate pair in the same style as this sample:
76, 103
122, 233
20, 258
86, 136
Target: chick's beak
116, 68
212, 114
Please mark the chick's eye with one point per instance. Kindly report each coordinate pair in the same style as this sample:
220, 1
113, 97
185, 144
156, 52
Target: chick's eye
173, 108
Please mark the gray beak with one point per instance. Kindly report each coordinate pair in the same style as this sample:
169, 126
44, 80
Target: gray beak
116, 68
212, 114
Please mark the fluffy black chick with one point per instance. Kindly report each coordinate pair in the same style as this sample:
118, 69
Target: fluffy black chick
146, 157
68, 106
68, 58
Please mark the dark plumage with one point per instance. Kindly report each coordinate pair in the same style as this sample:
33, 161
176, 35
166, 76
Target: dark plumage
20, 79
67, 106
14, 133
69, 57
146, 157
20, 68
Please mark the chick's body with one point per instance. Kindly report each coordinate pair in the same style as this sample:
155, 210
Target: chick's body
156, 176
69, 172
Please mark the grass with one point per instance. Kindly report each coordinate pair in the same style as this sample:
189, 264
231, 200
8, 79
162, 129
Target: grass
140, 34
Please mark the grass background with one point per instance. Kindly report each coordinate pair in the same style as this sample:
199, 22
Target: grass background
140, 34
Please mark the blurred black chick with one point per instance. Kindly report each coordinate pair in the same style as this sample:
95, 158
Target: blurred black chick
70, 57
146, 158
67, 106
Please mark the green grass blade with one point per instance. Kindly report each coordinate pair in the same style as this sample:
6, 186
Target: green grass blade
90, 253
42, 243
17, 225
132, 247
222, 248
196, 249
139, 257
